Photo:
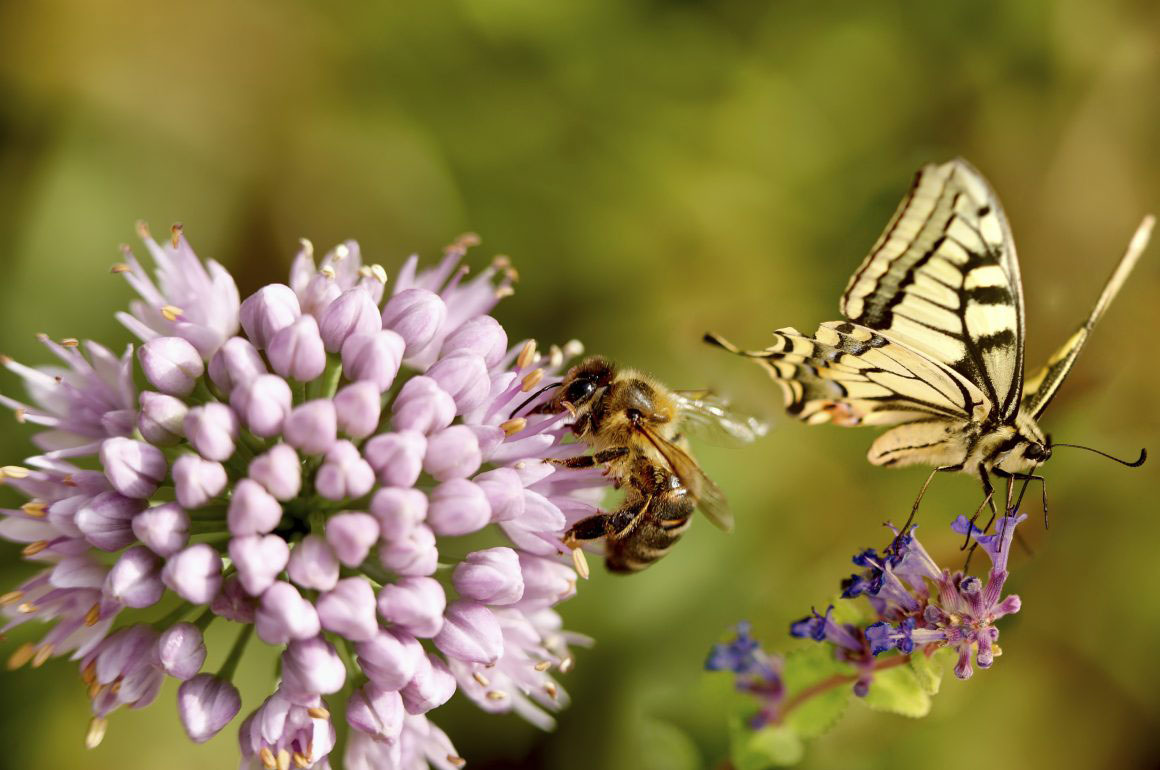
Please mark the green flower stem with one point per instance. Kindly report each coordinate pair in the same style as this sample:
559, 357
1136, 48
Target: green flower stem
836, 681
178, 612
227, 670
326, 385
204, 619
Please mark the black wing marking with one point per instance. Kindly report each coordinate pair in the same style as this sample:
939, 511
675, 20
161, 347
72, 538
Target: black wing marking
851, 375
944, 278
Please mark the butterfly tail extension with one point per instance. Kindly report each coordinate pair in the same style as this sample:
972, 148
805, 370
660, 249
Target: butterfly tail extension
1041, 388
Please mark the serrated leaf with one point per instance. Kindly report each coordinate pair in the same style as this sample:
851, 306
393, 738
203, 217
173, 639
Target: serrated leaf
897, 691
928, 670
808, 668
773, 746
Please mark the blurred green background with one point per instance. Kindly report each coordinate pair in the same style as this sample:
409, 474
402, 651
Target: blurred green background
655, 169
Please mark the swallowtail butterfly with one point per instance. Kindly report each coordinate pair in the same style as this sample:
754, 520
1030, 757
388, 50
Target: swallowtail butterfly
933, 341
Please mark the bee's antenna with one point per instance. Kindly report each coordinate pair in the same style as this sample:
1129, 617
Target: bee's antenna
532, 398
1134, 464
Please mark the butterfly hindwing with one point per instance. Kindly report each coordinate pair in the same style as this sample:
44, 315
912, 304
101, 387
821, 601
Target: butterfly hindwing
851, 375
944, 279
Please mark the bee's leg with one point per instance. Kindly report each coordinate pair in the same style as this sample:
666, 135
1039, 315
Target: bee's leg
589, 461
611, 525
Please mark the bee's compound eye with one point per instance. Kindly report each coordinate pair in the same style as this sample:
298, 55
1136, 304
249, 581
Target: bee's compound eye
579, 391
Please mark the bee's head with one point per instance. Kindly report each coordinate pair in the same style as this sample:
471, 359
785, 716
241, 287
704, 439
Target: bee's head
582, 383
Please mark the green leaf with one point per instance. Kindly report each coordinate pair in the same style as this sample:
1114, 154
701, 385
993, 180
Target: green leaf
928, 670
897, 690
808, 668
666, 747
773, 746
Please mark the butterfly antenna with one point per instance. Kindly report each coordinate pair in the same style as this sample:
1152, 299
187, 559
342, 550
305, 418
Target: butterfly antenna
533, 397
1134, 464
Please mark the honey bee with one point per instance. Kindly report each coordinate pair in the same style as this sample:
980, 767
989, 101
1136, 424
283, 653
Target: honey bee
635, 427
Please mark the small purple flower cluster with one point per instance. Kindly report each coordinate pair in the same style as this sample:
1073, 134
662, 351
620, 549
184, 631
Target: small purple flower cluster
918, 608
296, 466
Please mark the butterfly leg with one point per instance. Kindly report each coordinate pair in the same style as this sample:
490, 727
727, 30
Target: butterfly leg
921, 494
1027, 478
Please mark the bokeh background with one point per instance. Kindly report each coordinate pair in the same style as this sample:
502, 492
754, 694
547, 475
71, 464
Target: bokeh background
655, 169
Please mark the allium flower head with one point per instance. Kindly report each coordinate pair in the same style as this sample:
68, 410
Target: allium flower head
295, 466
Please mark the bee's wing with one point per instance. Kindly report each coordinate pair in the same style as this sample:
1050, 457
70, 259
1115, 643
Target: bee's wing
710, 498
706, 415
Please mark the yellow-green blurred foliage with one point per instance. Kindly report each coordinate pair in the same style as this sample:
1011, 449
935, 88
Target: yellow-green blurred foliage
655, 169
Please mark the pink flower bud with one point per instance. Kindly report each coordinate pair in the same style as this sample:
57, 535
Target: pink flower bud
413, 554
162, 418
470, 633
181, 650
354, 312
164, 529
197, 481
465, 378
212, 429
376, 712
279, 471
398, 511
390, 658
458, 507
237, 363
431, 687
416, 315
284, 615
351, 534
106, 520
263, 405
135, 580
134, 468
546, 581
415, 604
358, 407
313, 564
296, 352
349, 609
312, 427
171, 365
422, 406
344, 474
452, 453
233, 603
311, 667
490, 576
397, 458
258, 560
206, 704
252, 510
268, 311
505, 493
373, 357
194, 574
482, 335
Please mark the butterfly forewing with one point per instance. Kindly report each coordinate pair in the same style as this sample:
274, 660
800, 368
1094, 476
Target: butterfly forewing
944, 279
